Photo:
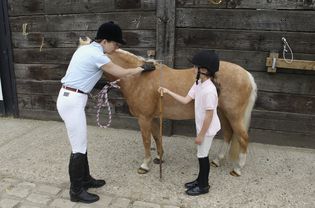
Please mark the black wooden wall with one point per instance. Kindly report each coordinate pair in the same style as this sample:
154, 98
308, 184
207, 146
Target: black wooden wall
242, 31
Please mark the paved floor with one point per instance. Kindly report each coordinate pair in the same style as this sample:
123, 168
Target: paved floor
34, 157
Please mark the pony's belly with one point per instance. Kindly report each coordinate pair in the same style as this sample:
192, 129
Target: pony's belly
179, 113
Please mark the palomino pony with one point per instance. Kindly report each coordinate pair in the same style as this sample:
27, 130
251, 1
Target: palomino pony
237, 96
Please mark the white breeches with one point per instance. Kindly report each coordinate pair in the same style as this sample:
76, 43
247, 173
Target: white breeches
204, 147
71, 108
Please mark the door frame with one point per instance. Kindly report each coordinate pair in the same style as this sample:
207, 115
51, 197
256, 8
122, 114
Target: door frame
7, 75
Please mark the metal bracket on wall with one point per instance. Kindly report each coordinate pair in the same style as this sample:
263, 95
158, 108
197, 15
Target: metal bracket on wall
273, 62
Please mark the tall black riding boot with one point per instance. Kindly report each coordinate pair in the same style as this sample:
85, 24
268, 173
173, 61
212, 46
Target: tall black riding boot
89, 181
76, 173
194, 183
203, 185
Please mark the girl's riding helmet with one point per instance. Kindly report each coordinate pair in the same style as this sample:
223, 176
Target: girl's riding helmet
207, 59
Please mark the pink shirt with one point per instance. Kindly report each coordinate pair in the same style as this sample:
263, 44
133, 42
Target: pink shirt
206, 98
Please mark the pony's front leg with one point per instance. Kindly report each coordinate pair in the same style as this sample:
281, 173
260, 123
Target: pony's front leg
157, 138
145, 127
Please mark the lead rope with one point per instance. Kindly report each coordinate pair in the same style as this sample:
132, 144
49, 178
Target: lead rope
285, 45
102, 101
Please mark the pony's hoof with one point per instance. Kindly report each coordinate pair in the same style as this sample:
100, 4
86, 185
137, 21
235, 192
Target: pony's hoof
142, 171
234, 173
214, 164
157, 161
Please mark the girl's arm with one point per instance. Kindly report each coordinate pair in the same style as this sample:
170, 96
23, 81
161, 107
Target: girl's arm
205, 127
177, 97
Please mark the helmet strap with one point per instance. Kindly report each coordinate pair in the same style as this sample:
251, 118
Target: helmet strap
198, 75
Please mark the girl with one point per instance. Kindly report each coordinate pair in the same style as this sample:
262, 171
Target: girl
204, 93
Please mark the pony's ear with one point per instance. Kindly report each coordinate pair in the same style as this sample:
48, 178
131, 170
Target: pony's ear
84, 40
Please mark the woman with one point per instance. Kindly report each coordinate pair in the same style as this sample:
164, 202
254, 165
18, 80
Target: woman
85, 69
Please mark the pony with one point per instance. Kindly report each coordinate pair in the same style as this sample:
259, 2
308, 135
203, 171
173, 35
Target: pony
237, 95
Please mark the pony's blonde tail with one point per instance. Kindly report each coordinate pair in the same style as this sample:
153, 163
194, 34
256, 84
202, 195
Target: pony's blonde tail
251, 102
235, 144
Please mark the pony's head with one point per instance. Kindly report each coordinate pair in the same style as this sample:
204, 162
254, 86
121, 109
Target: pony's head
84, 40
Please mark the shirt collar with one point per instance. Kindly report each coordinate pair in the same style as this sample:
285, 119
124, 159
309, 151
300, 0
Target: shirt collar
205, 83
97, 45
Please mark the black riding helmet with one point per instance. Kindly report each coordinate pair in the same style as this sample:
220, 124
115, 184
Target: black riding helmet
111, 32
207, 59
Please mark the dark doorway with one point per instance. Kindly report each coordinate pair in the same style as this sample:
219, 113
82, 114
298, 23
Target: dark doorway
8, 104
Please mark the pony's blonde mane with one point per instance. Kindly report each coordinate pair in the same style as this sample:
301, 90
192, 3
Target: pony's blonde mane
127, 56
130, 57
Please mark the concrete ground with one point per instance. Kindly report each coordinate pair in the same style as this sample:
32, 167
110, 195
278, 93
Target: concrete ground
35, 154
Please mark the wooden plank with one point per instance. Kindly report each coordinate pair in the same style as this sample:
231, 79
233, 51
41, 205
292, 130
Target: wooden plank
40, 71
244, 40
97, 6
296, 64
39, 115
78, 6
285, 83
250, 60
303, 21
276, 122
165, 31
69, 39
48, 102
118, 121
282, 138
143, 20
249, 4
57, 55
31, 7
25, 7
32, 87
46, 56
284, 102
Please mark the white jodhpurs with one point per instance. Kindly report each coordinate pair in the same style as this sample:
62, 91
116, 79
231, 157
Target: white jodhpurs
204, 147
71, 108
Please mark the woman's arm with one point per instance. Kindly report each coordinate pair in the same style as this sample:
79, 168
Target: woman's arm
118, 71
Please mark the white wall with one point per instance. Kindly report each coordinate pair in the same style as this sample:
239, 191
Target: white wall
1, 98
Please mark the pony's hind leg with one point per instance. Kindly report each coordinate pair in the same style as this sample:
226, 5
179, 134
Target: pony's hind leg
145, 127
156, 136
239, 147
227, 135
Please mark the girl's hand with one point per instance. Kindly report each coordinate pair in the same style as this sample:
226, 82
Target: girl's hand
198, 140
162, 89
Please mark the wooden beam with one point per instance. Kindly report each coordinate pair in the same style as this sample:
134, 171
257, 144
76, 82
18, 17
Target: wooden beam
165, 42
165, 31
273, 62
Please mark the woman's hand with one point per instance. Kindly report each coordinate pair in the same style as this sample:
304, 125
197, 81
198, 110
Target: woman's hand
164, 90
